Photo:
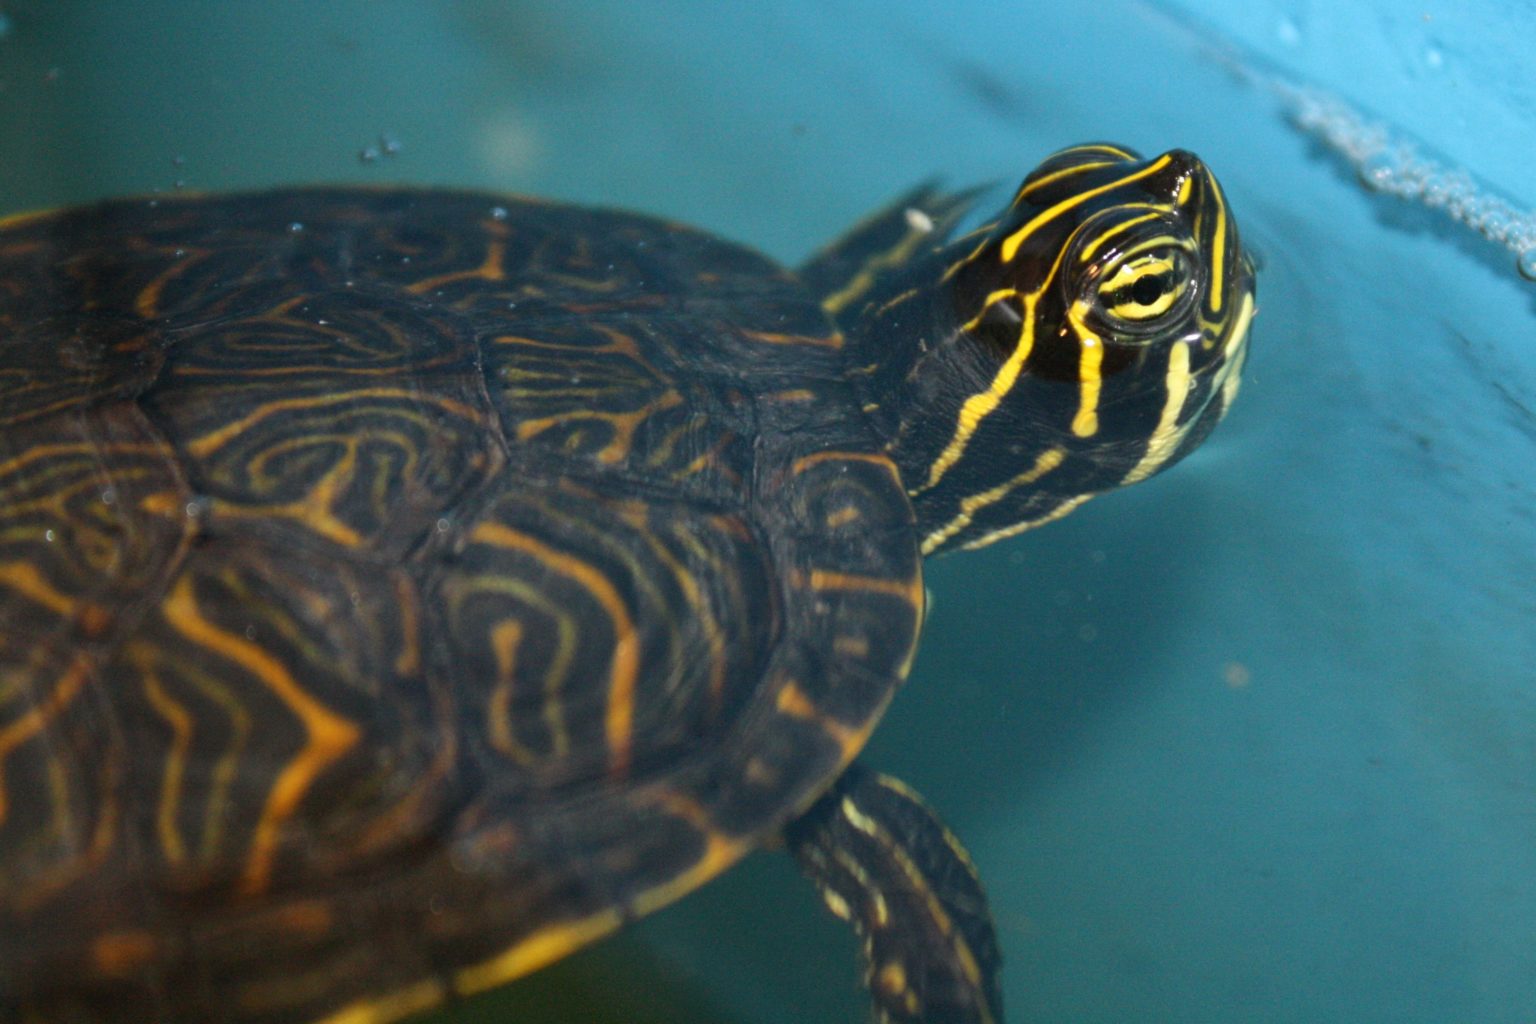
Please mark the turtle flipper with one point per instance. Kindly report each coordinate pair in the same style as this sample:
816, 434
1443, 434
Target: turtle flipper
885, 863
847, 270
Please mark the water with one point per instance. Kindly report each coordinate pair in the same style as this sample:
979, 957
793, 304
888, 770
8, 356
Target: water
1252, 741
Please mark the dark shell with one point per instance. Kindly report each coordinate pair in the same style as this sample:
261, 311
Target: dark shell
399, 589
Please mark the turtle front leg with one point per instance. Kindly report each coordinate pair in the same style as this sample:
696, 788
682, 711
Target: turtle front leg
885, 863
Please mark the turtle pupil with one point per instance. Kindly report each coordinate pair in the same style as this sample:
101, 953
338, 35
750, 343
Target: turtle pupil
1149, 289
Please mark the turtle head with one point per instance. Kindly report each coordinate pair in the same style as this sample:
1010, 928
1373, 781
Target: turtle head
1088, 338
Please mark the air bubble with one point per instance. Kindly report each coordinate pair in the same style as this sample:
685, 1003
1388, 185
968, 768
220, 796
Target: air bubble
1392, 165
48, 536
1378, 172
296, 227
1527, 264
442, 526
498, 213
1497, 225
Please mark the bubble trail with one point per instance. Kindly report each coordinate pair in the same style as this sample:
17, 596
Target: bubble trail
1391, 164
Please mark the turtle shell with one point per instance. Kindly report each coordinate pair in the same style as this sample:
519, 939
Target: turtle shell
400, 589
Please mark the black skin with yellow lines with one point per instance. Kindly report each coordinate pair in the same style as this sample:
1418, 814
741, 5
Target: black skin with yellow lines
400, 589
1089, 337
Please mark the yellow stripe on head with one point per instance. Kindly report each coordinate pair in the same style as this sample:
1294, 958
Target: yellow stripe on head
1082, 325
1011, 244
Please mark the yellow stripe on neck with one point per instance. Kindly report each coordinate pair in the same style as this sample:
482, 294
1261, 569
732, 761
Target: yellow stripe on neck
979, 406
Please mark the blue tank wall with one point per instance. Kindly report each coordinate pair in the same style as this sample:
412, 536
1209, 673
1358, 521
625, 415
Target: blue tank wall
1453, 72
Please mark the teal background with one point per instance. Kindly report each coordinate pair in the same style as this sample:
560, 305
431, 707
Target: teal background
1254, 741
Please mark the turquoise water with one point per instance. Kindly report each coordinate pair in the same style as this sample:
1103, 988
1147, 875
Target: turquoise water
1253, 741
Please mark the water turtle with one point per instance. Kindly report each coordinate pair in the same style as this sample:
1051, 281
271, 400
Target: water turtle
402, 588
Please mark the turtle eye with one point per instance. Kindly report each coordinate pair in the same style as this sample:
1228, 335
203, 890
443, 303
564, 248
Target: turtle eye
1142, 290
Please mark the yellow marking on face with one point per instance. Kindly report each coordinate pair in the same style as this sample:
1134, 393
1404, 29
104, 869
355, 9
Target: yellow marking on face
979, 406
1029, 524
1086, 422
1103, 237
180, 721
387, 1009
624, 662
1218, 253
1128, 273
1065, 172
973, 503
1237, 352
329, 736
1011, 244
1168, 433
1090, 378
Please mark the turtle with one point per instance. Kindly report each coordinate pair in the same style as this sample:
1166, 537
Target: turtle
401, 588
